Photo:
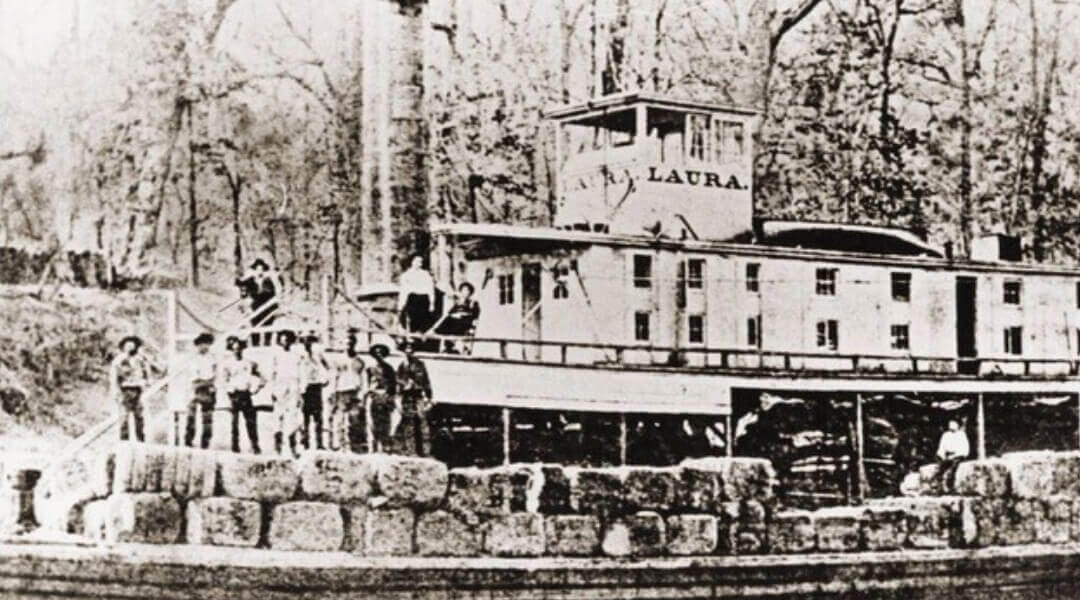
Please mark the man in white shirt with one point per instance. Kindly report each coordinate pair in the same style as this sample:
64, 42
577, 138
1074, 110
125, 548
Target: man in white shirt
416, 297
952, 449
204, 372
242, 381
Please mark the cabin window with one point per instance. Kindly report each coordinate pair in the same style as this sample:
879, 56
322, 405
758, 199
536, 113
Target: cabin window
729, 141
506, 289
826, 282
752, 271
560, 290
1012, 292
753, 331
901, 287
900, 335
641, 326
1014, 340
642, 271
695, 273
695, 329
828, 335
698, 126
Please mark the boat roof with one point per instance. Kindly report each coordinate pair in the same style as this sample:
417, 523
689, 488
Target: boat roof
520, 239
626, 99
844, 237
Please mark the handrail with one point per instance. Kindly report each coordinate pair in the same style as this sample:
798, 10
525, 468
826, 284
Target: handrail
94, 433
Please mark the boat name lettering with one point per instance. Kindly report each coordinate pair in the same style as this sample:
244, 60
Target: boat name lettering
692, 177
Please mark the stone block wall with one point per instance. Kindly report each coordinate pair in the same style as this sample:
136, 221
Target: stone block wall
383, 505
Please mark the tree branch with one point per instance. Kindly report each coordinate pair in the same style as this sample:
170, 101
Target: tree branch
790, 20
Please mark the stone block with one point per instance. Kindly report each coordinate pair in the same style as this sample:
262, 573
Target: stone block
988, 478
638, 535
256, 477
1031, 474
390, 532
1019, 521
981, 521
441, 533
652, 488
598, 491
884, 528
792, 532
701, 487
1055, 524
838, 528
143, 518
691, 535
410, 481
515, 534
477, 494
153, 468
313, 526
338, 477
554, 497
223, 522
930, 521
572, 535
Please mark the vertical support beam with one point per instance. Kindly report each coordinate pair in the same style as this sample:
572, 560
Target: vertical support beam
980, 424
170, 362
860, 448
730, 435
506, 435
622, 438
327, 312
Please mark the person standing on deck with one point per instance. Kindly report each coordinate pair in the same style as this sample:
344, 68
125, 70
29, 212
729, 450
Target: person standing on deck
348, 423
262, 287
414, 385
381, 396
952, 450
204, 372
313, 378
285, 374
416, 297
128, 377
242, 381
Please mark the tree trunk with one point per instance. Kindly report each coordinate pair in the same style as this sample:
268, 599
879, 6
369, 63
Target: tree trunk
193, 223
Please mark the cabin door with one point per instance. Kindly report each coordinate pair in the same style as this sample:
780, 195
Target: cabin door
530, 308
966, 349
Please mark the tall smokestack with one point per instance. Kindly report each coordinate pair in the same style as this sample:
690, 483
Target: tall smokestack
394, 186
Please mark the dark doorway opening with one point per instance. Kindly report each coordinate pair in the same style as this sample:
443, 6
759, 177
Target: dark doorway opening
966, 349
530, 308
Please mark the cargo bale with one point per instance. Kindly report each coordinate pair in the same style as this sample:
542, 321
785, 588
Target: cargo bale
223, 522
1074, 525
931, 522
554, 497
355, 520
410, 481
981, 521
839, 528
691, 535
338, 477
143, 518
94, 519
884, 528
440, 533
258, 477
637, 535
598, 491
1031, 474
68, 485
702, 488
390, 532
472, 494
201, 473
303, 525
572, 535
986, 477
929, 482
515, 534
749, 479
1019, 522
129, 475
652, 488
1067, 473
792, 532
1055, 524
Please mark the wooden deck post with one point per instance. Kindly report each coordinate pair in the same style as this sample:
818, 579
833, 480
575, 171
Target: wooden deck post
860, 449
622, 438
170, 362
729, 434
327, 310
980, 424
506, 435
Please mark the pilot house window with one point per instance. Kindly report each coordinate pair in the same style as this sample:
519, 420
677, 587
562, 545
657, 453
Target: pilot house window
826, 282
1014, 340
1012, 292
696, 329
753, 331
642, 271
641, 326
506, 289
900, 335
752, 272
901, 287
828, 335
695, 273
560, 290
699, 135
728, 145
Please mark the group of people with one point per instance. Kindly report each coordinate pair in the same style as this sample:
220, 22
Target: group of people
420, 306
369, 404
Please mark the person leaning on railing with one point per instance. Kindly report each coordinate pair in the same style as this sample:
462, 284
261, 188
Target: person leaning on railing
461, 319
128, 377
204, 373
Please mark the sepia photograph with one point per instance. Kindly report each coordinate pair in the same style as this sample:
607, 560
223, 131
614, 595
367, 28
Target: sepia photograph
540, 299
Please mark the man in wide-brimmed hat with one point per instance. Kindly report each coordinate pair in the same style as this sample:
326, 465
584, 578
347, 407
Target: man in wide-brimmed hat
381, 396
203, 374
242, 380
348, 421
414, 387
262, 287
128, 377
